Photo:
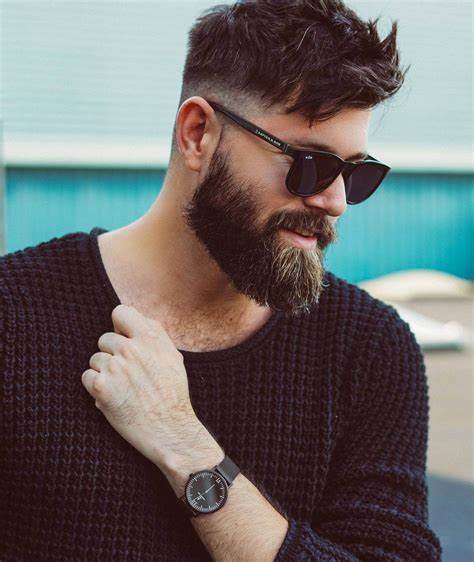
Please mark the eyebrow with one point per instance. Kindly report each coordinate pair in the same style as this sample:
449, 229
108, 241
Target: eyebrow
304, 145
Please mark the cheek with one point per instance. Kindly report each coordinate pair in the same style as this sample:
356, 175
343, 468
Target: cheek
282, 167
272, 195
276, 182
269, 171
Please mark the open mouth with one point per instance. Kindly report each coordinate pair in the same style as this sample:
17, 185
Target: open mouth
304, 233
300, 240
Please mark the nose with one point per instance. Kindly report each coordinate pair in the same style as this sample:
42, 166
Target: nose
331, 200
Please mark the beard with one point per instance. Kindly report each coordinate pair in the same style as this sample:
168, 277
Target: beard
260, 262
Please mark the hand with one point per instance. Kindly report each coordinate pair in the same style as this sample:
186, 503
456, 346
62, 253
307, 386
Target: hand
140, 384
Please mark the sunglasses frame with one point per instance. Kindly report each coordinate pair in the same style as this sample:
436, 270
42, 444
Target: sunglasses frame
345, 167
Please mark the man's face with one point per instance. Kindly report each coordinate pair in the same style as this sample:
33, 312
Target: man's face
226, 214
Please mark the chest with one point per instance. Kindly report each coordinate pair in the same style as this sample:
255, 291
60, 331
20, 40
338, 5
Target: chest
274, 411
202, 338
199, 333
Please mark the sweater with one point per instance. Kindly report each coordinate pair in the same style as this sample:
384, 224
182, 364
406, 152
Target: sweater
327, 413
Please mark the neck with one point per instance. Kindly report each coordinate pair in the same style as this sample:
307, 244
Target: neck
158, 259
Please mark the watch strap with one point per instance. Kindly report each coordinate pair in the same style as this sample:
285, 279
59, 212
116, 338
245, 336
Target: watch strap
227, 469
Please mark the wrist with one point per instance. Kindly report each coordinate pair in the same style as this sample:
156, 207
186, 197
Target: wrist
203, 453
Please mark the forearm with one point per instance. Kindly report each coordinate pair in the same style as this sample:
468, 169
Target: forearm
247, 527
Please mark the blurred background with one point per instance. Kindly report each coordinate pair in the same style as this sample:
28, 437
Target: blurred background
88, 98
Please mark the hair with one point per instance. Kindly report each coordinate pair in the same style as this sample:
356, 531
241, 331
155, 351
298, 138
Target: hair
314, 57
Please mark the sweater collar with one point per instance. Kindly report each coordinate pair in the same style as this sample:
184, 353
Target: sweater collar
253, 343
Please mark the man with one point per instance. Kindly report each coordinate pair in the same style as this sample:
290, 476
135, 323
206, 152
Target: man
195, 385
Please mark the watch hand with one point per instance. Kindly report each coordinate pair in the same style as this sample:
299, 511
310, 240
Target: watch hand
209, 489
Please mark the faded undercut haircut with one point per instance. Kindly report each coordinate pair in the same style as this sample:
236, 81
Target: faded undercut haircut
314, 57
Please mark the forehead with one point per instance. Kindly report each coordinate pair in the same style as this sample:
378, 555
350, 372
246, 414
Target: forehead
345, 134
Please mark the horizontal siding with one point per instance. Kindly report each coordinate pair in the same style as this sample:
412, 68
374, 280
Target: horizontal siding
413, 221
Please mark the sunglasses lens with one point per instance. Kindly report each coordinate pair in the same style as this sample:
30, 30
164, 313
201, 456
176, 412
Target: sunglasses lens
363, 181
310, 174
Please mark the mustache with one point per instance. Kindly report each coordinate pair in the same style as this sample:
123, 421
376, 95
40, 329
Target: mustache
319, 225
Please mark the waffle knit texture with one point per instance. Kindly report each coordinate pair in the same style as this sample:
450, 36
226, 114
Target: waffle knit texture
327, 414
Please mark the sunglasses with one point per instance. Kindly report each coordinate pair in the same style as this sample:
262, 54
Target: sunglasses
313, 171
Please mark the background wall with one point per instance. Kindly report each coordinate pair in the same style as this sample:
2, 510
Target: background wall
90, 93
416, 220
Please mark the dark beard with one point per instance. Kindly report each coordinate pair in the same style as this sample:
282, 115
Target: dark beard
258, 262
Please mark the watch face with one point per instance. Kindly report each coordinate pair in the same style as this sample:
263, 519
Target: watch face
206, 491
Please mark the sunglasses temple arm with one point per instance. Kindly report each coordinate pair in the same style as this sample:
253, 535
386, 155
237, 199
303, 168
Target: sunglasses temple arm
274, 141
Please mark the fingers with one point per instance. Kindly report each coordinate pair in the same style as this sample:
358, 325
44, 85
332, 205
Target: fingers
112, 343
89, 380
129, 322
99, 360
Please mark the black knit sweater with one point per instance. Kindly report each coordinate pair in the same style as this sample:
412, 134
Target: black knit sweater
327, 414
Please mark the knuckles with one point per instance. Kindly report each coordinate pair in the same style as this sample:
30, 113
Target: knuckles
116, 364
98, 386
127, 348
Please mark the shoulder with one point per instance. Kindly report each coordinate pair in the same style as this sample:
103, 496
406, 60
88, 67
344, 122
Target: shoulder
39, 268
342, 293
384, 355
374, 349
383, 367
364, 319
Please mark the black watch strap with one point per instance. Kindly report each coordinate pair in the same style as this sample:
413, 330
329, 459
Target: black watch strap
227, 469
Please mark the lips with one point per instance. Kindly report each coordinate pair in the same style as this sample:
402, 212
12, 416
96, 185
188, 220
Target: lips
303, 232
307, 242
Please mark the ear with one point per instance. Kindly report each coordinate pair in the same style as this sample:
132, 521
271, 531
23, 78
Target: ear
197, 132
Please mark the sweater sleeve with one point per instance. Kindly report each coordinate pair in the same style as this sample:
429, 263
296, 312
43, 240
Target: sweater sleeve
374, 507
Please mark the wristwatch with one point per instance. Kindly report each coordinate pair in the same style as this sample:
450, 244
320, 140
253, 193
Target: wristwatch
206, 491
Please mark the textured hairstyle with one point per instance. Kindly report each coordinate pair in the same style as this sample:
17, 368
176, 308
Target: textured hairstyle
314, 57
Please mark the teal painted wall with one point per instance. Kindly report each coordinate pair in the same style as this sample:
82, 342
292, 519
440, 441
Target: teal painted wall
416, 220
